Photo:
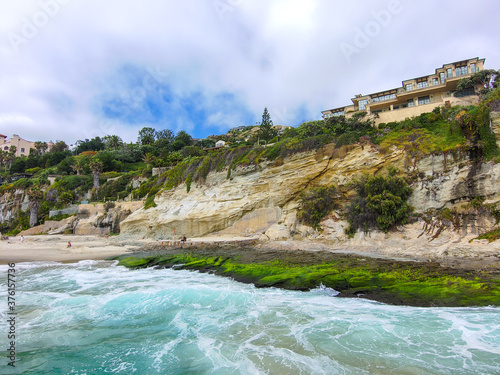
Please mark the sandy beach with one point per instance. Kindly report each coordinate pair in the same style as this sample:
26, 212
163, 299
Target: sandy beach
447, 251
55, 248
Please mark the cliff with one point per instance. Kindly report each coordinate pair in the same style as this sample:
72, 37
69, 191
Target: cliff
264, 199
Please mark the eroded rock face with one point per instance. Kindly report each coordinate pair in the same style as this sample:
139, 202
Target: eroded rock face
264, 200
221, 203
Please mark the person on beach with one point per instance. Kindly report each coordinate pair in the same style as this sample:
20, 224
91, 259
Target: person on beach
69, 244
22, 239
184, 239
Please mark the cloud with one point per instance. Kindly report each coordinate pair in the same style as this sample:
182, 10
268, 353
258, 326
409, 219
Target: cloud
93, 68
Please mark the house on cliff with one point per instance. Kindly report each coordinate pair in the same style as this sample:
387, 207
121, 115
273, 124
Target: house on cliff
22, 146
416, 95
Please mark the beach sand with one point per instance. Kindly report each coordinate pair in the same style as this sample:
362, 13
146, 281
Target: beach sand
55, 248
40, 248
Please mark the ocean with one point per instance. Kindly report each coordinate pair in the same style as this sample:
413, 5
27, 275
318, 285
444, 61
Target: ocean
94, 317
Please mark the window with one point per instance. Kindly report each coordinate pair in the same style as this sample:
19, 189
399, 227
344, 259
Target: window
422, 84
22, 150
449, 73
424, 100
384, 97
6, 148
441, 77
461, 71
411, 103
339, 113
409, 87
473, 68
435, 81
362, 104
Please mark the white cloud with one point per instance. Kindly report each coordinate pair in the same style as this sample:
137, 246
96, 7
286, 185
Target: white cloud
284, 55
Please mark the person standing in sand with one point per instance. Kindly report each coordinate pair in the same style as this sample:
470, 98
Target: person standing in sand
21, 239
69, 244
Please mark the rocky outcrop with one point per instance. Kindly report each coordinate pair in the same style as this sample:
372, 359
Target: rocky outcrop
264, 200
10, 203
103, 219
91, 219
257, 190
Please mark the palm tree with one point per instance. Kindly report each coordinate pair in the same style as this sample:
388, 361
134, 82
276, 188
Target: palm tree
41, 147
35, 197
96, 168
115, 141
3, 156
79, 164
11, 155
148, 159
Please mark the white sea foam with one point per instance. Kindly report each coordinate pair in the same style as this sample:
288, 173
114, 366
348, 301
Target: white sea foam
163, 321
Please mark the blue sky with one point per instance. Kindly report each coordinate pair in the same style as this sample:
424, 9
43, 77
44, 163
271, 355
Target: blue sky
76, 69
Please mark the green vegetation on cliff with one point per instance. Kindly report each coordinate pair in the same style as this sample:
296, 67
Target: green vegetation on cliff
401, 283
125, 170
381, 202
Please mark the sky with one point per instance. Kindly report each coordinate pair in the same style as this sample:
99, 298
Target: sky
76, 69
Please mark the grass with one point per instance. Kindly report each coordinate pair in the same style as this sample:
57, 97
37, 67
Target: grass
406, 283
424, 141
491, 235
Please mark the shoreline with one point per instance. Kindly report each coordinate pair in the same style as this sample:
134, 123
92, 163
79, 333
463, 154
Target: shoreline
363, 272
478, 257
55, 248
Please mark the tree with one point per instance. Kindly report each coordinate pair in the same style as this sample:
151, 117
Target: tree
184, 138
149, 159
79, 164
266, 129
96, 168
11, 155
95, 144
165, 134
3, 158
41, 147
35, 197
59, 147
146, 136
112, 142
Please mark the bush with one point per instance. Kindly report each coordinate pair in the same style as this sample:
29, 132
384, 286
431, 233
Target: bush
316, 204
381, 203
150, 202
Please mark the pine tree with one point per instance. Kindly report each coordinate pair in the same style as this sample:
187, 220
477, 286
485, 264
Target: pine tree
266, 130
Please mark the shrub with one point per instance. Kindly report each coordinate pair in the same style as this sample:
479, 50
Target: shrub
381, 203
22, 183
33, 170
316, 204
108, 206
150, 202
189, 179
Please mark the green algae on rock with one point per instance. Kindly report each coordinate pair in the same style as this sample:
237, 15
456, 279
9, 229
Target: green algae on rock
388, 281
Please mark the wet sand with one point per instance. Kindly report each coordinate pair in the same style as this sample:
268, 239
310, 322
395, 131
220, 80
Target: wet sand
55, 248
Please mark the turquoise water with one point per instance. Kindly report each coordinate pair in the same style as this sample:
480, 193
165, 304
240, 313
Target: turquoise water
99, 318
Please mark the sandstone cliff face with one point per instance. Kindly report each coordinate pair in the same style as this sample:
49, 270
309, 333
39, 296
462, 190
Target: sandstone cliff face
263, 200
10, 203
